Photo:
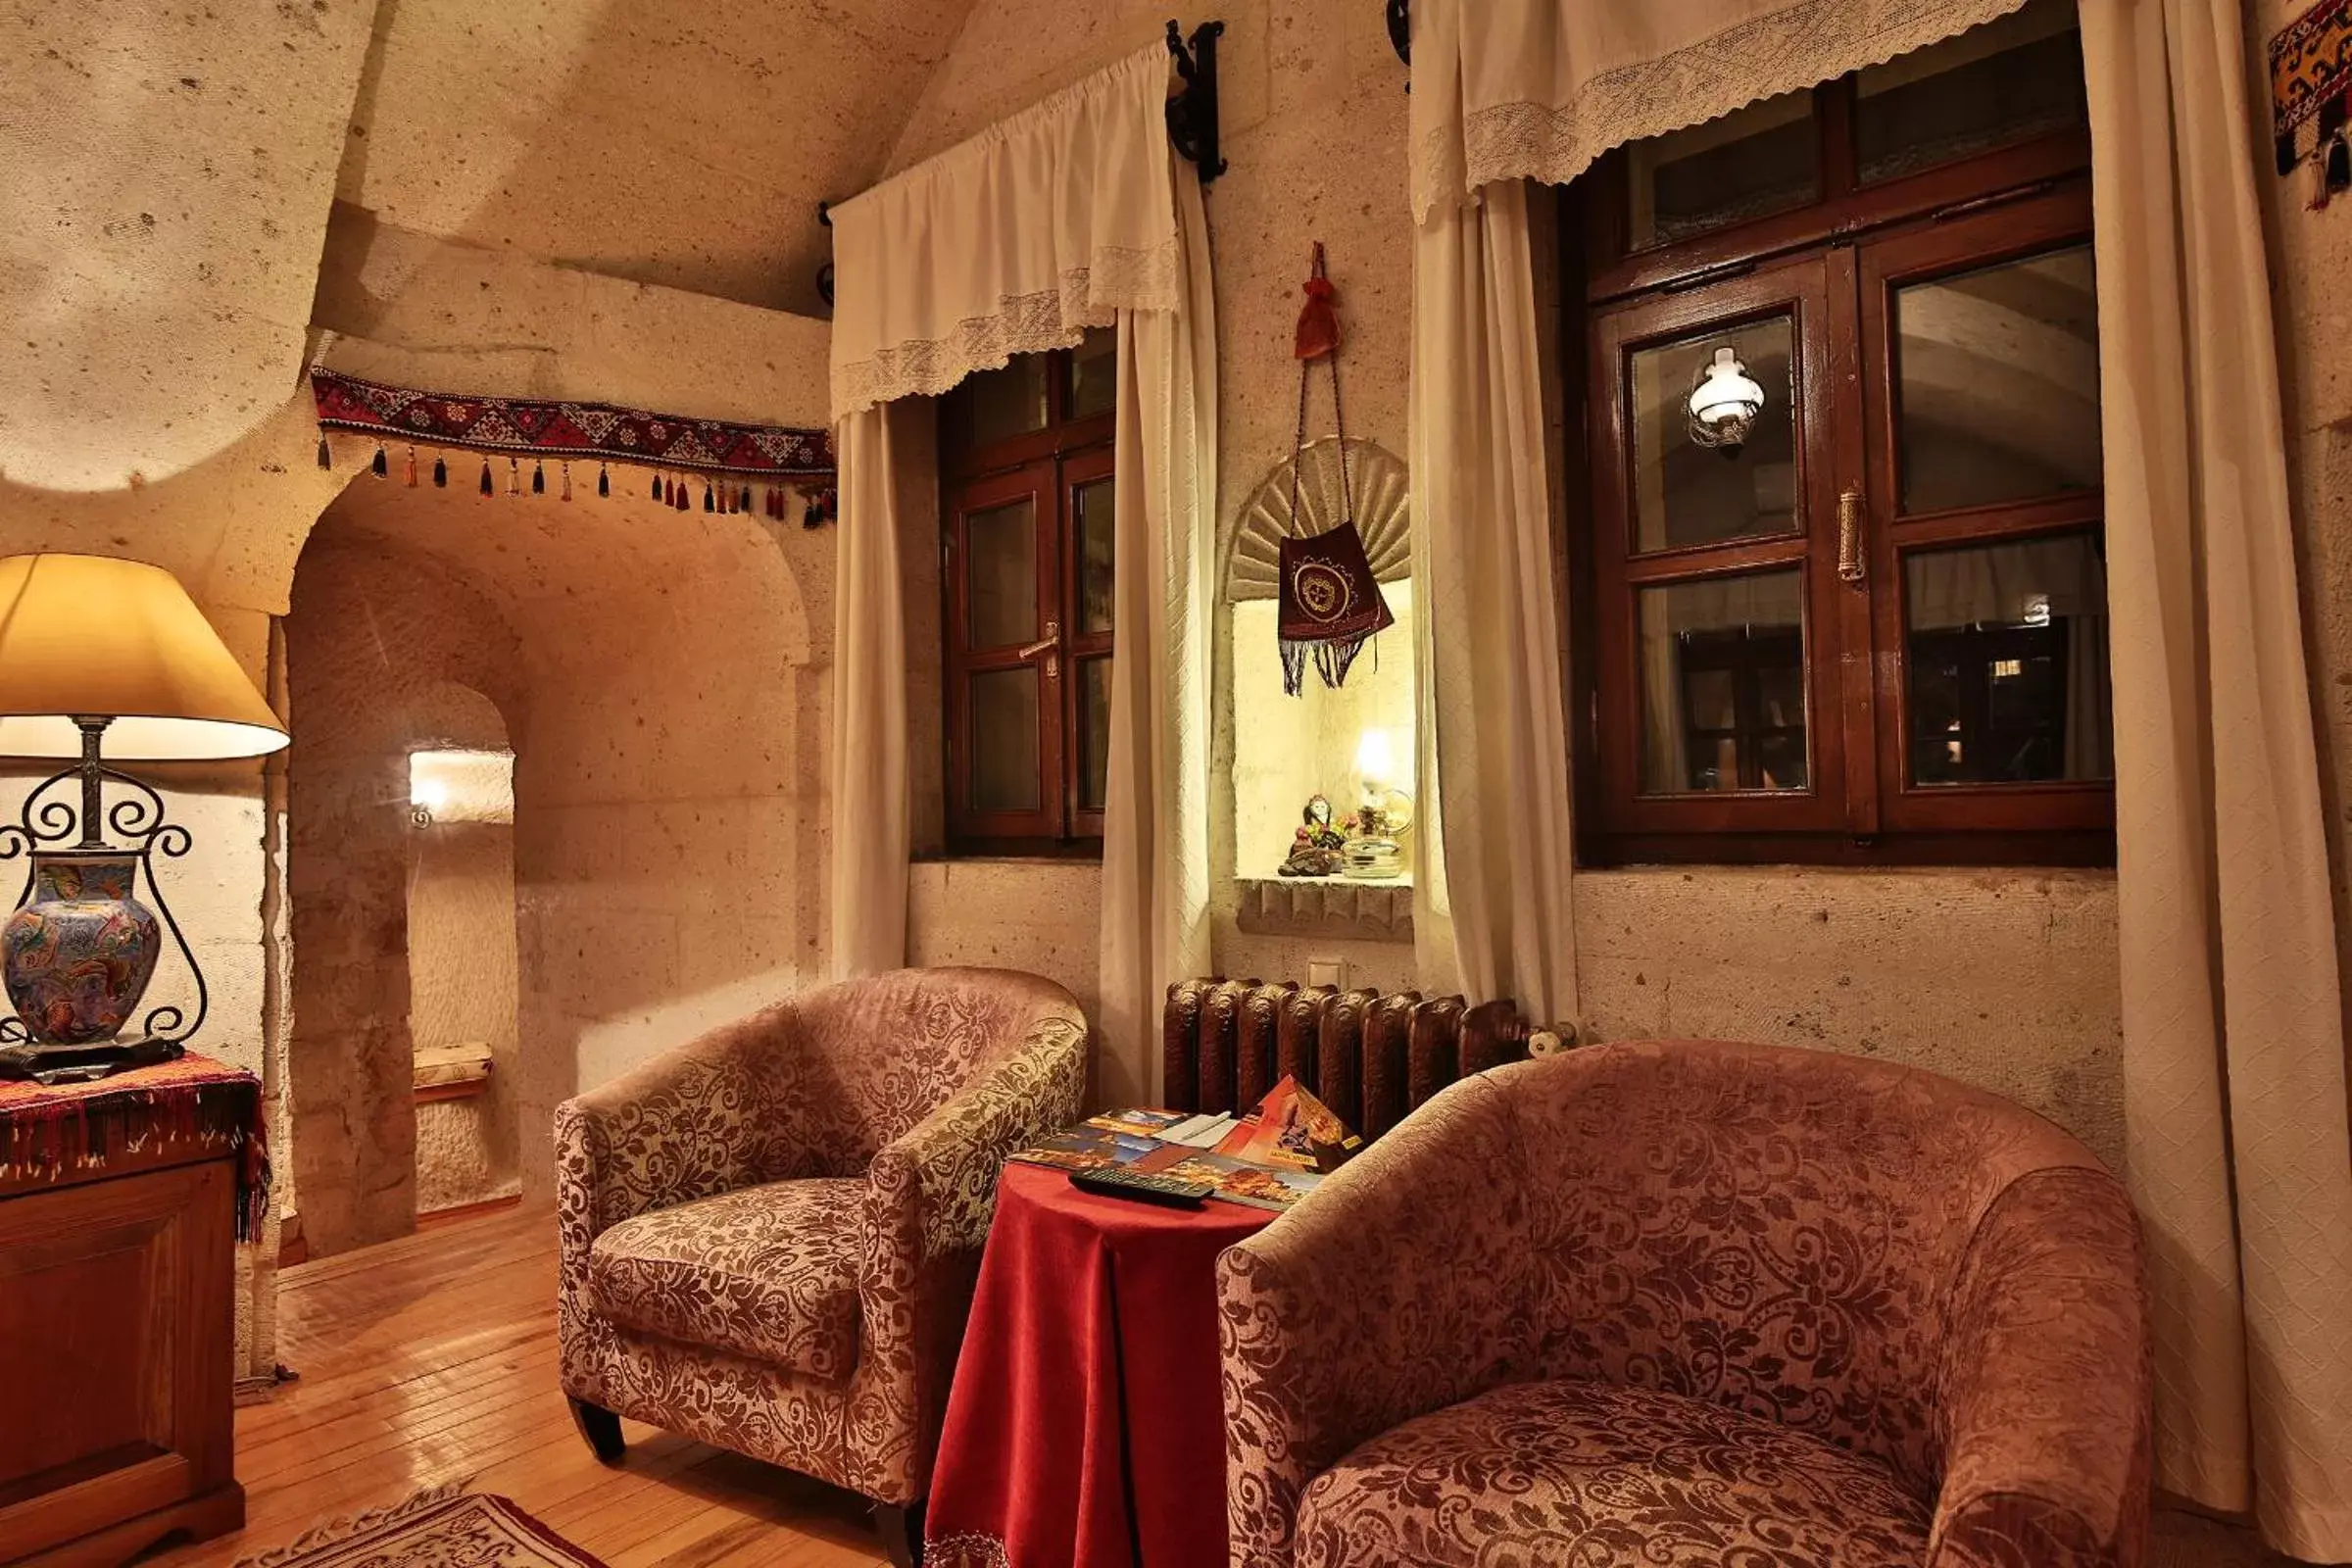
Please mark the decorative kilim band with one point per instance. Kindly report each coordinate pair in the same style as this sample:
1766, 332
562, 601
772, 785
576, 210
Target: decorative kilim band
2310, 81
534, 428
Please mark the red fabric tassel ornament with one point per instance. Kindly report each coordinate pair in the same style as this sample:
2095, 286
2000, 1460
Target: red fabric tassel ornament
1319, 319
539, 478
440, 471
661, 490
604, 481
382, 467
488, 487
678, 495
710, 499
408, 470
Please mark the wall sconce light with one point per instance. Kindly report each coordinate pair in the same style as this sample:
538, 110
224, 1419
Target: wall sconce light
1724, 401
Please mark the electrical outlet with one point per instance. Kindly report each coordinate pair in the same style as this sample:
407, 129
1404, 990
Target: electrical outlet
1327, 972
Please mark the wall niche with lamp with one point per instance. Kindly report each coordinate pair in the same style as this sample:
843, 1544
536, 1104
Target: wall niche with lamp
1325, 841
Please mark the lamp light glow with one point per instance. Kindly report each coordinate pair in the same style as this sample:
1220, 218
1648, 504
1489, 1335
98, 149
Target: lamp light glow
1724, 401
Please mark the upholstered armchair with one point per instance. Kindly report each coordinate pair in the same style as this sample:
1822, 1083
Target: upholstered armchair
1690, 1303
768, 1237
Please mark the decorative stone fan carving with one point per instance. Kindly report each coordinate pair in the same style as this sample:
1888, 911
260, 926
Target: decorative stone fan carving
1378, 478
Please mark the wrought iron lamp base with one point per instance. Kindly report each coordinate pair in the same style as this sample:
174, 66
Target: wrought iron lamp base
81, 946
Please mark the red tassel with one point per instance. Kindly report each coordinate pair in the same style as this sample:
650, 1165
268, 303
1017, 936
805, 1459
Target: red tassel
678, 498
1318, 320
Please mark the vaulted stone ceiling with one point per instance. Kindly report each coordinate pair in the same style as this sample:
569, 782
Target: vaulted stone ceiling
686, 145
169, 170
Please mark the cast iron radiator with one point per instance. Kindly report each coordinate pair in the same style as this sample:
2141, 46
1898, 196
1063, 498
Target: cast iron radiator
1371, 1056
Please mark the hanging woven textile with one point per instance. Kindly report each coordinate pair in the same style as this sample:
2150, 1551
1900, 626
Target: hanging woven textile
1328, 599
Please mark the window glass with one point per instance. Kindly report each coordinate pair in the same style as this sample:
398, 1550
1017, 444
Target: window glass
1094, 733
1095, 374
1722, 684
1004, 740
1000, 552
1997, 382
1688, 494
1095, 554
2005, 650
2006, 81
1764, 158
993, 406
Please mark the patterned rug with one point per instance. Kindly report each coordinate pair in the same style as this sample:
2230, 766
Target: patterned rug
445, 1528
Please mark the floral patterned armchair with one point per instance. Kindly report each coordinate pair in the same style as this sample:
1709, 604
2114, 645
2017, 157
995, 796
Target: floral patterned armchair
768, 1237
1690, 1302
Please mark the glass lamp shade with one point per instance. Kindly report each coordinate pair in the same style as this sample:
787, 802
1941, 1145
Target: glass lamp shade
1724, 401
91, 636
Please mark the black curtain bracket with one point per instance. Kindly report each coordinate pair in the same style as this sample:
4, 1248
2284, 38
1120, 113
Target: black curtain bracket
1193, 112
825, 274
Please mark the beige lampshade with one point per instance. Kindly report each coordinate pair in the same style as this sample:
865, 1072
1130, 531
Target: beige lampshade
89, 635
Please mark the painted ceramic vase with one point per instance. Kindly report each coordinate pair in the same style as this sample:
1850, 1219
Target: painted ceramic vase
78, 954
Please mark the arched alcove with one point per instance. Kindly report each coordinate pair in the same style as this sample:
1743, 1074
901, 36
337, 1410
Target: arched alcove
465, 969
653, 670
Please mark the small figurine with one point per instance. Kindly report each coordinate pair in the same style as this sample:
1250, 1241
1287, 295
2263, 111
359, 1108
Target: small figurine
1318, 848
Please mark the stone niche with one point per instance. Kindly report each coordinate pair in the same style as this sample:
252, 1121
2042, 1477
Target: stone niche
1350, 744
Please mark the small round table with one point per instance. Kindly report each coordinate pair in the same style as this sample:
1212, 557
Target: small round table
1086, 1425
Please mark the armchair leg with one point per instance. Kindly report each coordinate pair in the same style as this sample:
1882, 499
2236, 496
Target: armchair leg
900, 1527
602, 1428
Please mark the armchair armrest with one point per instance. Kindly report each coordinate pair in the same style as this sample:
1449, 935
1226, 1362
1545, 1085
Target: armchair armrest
934, 1187
1399, 1288
2043, 1393
930, 1195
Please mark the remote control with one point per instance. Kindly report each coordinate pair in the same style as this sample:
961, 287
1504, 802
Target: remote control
1113, 1182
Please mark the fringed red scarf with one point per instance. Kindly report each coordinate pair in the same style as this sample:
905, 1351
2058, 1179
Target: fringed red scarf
49, 1133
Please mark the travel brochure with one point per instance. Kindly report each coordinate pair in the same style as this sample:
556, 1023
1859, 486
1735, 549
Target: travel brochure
1268, 1158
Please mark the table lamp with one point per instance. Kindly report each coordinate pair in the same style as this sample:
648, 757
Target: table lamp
100, 657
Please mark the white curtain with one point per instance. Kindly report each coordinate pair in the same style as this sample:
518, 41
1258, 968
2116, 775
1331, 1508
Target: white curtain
2233, 1055
1155, 821
869, 766
1494, 742
1075, 213
1013, 242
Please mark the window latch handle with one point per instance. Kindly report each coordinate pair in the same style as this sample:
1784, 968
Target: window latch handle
1850, 566
1050, 645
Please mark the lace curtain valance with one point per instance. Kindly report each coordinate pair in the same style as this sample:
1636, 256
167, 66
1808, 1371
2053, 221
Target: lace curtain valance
1533, 89
1015, 241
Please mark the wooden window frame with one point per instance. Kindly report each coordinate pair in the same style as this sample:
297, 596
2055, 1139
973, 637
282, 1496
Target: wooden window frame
1047, 467
1833, 265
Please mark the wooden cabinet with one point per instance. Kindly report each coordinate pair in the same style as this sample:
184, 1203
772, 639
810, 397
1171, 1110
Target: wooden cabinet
117, 1335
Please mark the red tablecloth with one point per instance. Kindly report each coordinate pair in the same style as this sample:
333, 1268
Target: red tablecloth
1086, 1427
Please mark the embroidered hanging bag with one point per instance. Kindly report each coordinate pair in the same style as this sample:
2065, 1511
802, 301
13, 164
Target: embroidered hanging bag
1328, 599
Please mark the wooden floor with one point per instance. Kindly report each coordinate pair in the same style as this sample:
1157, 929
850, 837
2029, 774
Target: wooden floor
432, 1359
